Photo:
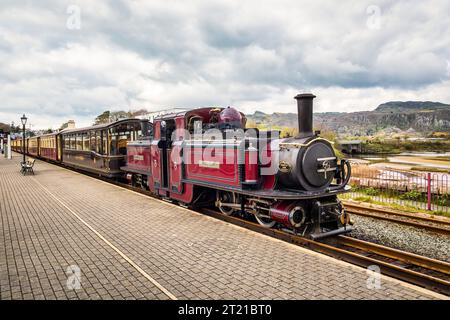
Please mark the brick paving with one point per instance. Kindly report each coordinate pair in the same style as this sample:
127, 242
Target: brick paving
189, 255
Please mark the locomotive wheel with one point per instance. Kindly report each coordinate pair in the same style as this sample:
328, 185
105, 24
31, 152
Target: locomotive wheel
226, 197
133, 181
144, 184
265, 222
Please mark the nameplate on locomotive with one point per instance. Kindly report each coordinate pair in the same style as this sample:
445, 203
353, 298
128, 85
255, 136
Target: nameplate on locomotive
138, 157
209, 164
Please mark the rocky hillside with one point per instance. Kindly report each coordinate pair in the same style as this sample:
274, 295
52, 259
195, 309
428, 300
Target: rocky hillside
4, 127
395, 115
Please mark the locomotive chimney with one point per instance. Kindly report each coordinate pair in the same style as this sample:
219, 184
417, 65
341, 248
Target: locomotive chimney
305, 114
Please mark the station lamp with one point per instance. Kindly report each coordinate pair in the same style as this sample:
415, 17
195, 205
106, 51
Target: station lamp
24, 122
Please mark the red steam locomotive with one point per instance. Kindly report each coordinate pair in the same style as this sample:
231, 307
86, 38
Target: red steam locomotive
206, 157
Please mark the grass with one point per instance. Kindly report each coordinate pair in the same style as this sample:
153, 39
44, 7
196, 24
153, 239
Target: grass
411, 195
367, 194
430, 169
396, 206
392, 146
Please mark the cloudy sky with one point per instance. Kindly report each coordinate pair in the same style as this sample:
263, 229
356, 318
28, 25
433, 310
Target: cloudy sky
63, 60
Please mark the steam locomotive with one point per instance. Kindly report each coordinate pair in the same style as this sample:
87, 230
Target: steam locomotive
207, 157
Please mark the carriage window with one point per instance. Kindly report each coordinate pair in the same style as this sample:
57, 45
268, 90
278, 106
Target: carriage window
122, 141
93, 141
105, 142
98, 145
120, 135
86, 141
72, 142
79, 139
113, 144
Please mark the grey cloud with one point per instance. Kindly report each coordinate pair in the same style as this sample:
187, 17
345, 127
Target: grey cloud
155, 54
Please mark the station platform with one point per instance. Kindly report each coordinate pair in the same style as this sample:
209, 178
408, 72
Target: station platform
64, 235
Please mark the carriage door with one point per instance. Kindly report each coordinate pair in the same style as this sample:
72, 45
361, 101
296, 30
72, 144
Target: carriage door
58, 147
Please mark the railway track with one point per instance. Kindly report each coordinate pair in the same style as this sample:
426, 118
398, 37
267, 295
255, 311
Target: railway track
422, 271
429, 223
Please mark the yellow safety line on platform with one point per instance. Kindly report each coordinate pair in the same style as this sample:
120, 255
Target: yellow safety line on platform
134, 265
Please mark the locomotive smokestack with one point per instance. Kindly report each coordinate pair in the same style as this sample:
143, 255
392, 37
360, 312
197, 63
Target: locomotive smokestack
305, 114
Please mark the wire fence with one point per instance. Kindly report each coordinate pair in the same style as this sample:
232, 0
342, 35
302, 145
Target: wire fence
414, 189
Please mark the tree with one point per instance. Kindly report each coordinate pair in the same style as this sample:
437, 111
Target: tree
137, 113
4, 127
103, 118
64, 126
117, 115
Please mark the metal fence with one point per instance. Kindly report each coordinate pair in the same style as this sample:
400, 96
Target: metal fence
415, 189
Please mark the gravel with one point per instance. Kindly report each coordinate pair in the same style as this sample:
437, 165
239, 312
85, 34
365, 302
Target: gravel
406, 238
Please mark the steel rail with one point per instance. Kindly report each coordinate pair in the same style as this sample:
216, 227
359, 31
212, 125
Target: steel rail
407, 257
438, 226
422, 217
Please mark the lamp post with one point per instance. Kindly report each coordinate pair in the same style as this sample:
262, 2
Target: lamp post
24, 122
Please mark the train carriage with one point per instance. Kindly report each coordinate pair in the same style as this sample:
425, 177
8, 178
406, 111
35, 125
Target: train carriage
33, 146
50, 147
19, 145
99, 149
14, 145
138, 163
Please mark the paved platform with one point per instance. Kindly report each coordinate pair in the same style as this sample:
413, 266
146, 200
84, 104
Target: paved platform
129, 246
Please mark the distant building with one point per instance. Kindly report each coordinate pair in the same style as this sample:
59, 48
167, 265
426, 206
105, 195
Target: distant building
68, 125
350, 146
